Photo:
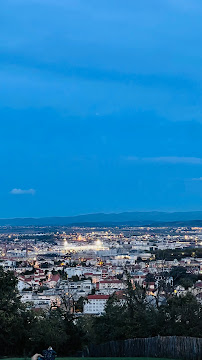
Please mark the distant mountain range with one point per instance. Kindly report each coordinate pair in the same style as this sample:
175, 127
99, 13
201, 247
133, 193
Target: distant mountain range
124, 218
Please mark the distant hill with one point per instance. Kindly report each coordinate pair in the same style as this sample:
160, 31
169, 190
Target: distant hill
124, 218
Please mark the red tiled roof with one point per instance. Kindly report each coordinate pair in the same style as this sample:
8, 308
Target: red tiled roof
22, 278
88, 274
55, 277
148, 283
199, 284
111, 281
121, 294
39, 271
91, 297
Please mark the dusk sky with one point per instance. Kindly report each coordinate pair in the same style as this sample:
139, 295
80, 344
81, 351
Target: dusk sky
100, 106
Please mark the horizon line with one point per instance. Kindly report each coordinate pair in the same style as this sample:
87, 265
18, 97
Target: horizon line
100, 213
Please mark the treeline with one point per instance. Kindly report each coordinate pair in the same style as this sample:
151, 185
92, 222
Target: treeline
137, 317
171, 254
24, 331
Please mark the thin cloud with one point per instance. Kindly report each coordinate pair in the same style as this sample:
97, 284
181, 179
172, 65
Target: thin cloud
166, 159
197, 179
23, 192
185, 5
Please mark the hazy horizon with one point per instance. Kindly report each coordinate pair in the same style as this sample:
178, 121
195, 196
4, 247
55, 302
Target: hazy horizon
105, 214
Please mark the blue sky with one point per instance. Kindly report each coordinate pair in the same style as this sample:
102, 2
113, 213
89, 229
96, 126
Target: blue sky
100, 106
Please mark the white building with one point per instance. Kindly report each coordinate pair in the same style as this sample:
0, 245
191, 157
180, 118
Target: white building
8, 264
76, 289
40, 300
95, 304
22, 285
111, 284
73, 271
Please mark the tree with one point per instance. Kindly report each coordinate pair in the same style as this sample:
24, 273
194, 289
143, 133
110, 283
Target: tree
181, 277
24, 331
13, 315
75, 278
111, 325
139, 311
86, 324
63, 275
119, 276
79, 304
181, 316
150, 278
126, 317
47, 330
186, 282
54, 272
178, 272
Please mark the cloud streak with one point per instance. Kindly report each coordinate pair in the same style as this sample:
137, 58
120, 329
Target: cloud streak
197, 179
23, 192
166, 160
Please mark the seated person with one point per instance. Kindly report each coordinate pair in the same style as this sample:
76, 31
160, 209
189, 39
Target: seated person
37, 357
49, 354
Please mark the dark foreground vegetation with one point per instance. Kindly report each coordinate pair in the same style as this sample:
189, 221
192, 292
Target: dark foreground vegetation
172, 254
24, 331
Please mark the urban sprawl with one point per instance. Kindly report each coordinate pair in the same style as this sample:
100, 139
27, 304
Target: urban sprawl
79, 268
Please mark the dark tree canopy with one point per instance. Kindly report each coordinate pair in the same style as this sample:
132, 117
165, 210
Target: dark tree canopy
23, 331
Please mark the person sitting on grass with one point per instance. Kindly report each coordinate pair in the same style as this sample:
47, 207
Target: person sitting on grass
49, 354
37, 357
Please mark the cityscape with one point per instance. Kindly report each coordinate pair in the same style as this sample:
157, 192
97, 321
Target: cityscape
101, 180
81, 267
